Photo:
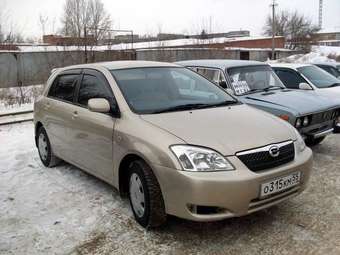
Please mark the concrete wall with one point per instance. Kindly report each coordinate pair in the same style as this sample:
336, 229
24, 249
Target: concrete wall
29, 68
172, 55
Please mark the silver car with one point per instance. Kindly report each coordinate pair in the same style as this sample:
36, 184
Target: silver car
256, 84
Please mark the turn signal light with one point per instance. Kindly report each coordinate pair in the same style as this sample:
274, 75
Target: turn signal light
284, 117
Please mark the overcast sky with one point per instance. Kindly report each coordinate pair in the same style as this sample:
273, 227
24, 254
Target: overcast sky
172, 16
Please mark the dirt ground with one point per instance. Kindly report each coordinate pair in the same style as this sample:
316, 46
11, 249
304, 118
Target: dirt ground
63, 210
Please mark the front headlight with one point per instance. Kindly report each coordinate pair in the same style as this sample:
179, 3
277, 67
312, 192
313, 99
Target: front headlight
199, 159
300, 143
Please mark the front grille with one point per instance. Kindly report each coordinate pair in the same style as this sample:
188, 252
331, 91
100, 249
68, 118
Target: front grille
324, 116
261, 158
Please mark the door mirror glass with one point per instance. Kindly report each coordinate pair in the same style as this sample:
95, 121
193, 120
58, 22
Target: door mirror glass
99, 105
230, 91
305, 86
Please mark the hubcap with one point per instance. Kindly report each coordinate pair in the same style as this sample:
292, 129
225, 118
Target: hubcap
137, 195
42, 143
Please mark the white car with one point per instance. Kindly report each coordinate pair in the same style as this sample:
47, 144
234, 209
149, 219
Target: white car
310, 78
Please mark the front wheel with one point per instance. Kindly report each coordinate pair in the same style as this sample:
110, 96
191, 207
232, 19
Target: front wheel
145, 195
314, 141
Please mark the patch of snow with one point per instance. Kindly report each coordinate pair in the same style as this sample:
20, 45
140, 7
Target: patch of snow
318, 54
139, 45
18, 99
49, 210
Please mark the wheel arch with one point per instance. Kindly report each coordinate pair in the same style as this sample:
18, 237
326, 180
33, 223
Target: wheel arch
36, 128
123, 173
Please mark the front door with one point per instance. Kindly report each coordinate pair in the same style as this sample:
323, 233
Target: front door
92, 132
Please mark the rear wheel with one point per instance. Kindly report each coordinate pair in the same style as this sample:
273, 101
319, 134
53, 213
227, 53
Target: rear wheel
45, 151
145, 195
314, 141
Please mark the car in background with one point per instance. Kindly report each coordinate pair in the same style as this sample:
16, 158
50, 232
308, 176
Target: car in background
256, 84
310, 78
331, 67
202, 156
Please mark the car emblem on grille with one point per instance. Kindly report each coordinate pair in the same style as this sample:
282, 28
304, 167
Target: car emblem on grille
274, 151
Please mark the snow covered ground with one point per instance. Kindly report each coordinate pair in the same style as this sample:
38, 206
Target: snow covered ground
63, 210
18, 99
317, 55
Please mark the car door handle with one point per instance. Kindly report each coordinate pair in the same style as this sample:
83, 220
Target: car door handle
75, 115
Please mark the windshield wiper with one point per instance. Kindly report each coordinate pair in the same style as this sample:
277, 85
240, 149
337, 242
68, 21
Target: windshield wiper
252, 91
272, 87
193, 106
334, 85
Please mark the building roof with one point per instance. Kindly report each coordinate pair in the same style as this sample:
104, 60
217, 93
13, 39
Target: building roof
114, 65
219, 63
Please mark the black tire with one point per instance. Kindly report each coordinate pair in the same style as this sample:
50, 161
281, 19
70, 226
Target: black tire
314, 141
154, 211
50, 160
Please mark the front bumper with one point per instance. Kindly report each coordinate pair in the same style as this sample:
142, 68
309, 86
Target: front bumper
236, 192
337, 128
317, 130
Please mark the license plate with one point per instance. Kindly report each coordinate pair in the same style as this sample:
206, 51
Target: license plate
280, 184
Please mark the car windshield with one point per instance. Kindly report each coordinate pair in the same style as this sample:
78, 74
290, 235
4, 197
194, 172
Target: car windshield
165, 89
251, 79
319, 77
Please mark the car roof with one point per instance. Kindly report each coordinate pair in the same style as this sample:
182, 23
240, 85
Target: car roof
333, 64
115, 65
290, 65
220, 63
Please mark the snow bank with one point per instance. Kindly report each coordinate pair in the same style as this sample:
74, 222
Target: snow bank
317, 55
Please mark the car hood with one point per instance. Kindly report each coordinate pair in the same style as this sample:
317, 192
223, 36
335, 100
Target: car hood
300, 102
225, 129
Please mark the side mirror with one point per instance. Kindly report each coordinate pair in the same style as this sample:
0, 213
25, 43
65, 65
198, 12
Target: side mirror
99, 105
230, 91
223, 84
305, 86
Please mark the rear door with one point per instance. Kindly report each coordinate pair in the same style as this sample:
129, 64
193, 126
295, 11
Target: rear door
91, 133
58, 106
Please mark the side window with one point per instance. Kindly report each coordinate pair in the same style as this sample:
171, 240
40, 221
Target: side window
92, 87
211, 74
63, 87
289, 78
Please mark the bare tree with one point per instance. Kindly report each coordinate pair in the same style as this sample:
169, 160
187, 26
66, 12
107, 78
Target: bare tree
43, 20
297, 28
79, 15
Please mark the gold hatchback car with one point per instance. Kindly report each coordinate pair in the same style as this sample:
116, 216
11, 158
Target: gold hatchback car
170, 140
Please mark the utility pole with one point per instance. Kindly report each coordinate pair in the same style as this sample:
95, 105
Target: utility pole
273, 5
320, 13
85, 44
